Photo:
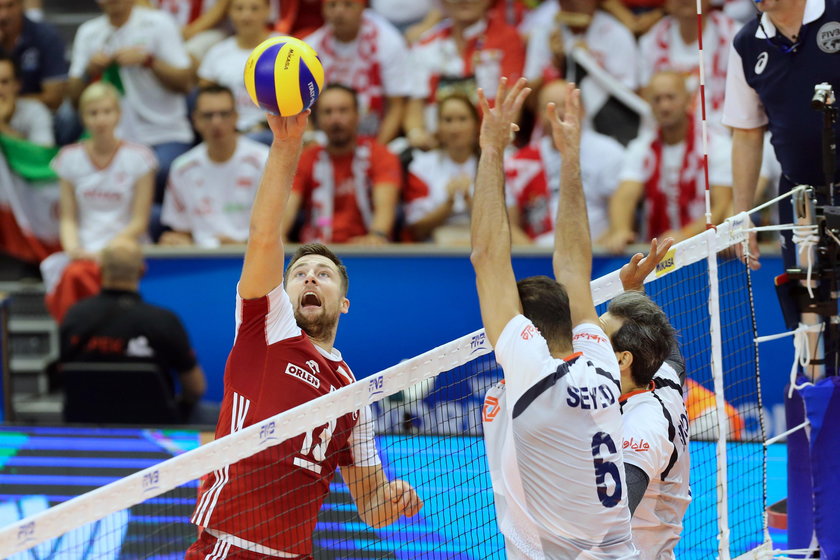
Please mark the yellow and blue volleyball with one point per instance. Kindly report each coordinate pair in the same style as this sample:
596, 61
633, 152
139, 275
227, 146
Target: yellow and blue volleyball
284, 76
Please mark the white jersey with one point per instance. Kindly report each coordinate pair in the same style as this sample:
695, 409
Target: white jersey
607, 40
375, 64
210, 199
429, 176
224, 64
104, 195
151, 113
553, 436
662, 48
656, 441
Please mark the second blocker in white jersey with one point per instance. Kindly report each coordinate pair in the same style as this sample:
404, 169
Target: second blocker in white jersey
553, 435
656, 441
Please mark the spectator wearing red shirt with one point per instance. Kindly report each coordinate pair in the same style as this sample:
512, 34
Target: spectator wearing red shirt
465, 51
348, 189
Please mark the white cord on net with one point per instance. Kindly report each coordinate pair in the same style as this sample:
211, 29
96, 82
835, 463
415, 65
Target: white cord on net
806, 237
802, 351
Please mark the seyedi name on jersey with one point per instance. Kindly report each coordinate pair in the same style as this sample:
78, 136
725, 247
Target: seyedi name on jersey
590, 397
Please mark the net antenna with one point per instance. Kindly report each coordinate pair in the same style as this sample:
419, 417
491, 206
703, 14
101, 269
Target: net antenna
714, 310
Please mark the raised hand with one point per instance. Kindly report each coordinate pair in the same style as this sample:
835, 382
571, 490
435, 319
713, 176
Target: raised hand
288, 128
566, 130
497, 124
633, 274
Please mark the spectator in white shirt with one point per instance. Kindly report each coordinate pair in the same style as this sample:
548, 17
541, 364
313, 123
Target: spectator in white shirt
440, 183
533, 177
25, 118
569, 24
225, 62
139, 50
361, 49
672, 45
212, 187
106, 186
663, 171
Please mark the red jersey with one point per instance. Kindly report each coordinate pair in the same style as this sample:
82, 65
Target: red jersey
269, 502
337, 191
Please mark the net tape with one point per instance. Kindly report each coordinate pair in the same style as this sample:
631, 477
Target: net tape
156, 480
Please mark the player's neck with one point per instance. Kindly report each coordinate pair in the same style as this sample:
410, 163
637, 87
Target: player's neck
560, 353
325, 343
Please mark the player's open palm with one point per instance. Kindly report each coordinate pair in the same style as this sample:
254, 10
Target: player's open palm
497, 124
565, 130
404, 497
633, 273
288, 128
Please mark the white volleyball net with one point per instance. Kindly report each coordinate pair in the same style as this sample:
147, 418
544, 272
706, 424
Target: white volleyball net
427, 414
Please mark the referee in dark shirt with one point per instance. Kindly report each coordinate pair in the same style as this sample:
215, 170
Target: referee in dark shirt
118, 326
775, 62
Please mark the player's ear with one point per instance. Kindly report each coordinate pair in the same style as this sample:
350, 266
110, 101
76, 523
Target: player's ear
345, 305
625, 359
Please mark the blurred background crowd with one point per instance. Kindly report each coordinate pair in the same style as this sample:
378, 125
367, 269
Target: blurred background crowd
139, 125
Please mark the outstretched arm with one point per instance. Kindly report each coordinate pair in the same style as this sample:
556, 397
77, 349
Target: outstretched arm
572, 245
263, 268
633, 276
489, 228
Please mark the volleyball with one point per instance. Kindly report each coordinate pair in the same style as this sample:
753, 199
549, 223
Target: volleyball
284, 76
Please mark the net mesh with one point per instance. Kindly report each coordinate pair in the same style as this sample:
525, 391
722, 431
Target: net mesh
428, 423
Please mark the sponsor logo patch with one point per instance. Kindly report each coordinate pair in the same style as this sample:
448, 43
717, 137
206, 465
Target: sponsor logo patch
761, 63
491, 409
529, 332
303, 375
634, 445
667, 265
828, 37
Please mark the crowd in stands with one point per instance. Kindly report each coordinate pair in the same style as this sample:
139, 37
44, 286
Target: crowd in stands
159, 141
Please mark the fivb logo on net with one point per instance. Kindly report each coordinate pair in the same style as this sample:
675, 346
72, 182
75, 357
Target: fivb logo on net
151, 481
478, 342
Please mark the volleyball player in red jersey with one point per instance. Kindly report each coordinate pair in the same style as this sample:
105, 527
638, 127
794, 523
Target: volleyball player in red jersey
266, 505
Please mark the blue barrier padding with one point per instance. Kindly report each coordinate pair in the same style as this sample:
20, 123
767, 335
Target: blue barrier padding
822, 403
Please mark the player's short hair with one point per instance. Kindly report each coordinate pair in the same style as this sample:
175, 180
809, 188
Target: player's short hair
646, 333
546, 304
212, 89
324, 251
96, 91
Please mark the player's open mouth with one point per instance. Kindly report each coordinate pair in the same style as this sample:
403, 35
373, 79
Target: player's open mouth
310, 299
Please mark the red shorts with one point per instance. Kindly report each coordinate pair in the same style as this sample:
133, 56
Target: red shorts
208, 547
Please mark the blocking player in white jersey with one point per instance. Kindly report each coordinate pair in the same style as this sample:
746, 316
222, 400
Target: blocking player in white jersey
655, 446
553, 426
